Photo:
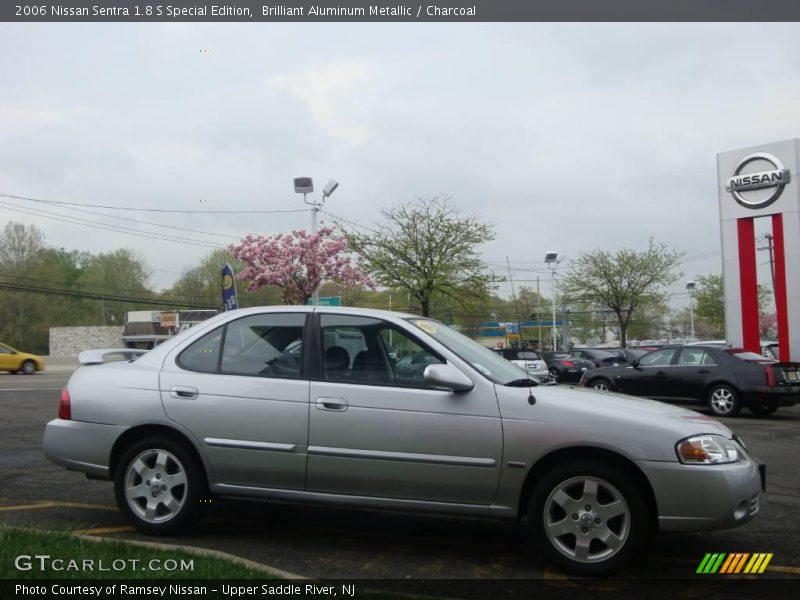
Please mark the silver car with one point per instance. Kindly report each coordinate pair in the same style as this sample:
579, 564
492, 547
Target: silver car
307, 404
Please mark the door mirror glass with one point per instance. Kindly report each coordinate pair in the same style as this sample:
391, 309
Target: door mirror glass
447, 376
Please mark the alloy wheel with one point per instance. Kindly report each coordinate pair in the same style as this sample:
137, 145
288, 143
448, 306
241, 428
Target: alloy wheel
156, 486
587, 519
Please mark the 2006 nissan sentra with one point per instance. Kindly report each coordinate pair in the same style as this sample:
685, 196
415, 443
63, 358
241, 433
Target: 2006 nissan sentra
318, 404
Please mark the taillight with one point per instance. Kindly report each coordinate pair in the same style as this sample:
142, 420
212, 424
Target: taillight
64, 409
567, 363
770, 376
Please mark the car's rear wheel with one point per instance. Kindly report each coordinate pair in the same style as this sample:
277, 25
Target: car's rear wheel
601, 385
762, 410
588, 517
28, 367
159, 486
723, 401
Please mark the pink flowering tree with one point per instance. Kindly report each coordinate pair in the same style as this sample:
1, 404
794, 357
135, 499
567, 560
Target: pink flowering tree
297, 262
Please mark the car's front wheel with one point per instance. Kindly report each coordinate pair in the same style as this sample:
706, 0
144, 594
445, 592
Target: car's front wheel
601, 385
723, 401
159, 486
588, 517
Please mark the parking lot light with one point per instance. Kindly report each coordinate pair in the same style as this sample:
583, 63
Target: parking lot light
551, 260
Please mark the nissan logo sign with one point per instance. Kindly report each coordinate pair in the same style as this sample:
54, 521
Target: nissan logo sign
741, 185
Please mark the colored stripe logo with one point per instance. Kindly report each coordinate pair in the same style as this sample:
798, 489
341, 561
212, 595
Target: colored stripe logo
734, 563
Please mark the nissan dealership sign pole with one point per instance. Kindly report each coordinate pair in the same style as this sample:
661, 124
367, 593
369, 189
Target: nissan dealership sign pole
755, 183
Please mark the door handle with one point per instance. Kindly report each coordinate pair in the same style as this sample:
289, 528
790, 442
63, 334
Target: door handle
661, 375
184, 392
704, 371
338, 404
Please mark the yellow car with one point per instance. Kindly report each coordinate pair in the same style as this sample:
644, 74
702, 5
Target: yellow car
19, 362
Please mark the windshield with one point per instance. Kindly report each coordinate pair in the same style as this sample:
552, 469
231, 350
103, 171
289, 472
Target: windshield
488, 363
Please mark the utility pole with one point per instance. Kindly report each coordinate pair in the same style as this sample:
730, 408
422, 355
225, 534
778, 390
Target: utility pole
770, 248
538, 316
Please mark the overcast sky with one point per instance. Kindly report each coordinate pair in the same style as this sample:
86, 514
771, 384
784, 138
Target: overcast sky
566, 137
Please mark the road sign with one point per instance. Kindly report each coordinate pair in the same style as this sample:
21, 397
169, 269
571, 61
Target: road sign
328, 301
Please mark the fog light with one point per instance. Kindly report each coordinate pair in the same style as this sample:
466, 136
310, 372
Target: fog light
741, 510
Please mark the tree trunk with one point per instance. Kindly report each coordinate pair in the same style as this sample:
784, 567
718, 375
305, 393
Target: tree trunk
425, 305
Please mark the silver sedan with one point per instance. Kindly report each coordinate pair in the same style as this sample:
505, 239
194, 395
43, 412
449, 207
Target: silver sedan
376, 409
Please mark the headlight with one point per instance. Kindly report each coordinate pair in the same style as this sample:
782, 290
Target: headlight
708, 450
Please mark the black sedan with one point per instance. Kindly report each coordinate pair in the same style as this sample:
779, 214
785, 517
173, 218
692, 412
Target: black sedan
598, 357
723, 379
565, 367
629, 354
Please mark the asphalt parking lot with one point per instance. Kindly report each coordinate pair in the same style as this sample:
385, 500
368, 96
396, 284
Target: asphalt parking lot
339, 543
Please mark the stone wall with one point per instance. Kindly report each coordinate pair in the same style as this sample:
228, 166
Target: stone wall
70, 341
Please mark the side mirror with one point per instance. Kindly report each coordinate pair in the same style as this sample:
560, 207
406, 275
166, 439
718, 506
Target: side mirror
635, 363
447, 376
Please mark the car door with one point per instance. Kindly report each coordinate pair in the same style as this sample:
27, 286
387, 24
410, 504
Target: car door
694, 369
242, 391
7, 359
649, 377
378, 429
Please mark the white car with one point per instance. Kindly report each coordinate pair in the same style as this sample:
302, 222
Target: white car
527, 360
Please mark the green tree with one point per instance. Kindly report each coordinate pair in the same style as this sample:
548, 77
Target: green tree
20, 247
118, 273
622, 281
202, 284
429, 250
709, 306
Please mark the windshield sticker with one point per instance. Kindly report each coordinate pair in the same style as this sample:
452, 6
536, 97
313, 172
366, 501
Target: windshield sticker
426, 327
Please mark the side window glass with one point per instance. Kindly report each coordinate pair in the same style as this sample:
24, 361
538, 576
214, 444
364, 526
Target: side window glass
371, 351
412, 358
659, 358
202, 355
268, 345
691, 357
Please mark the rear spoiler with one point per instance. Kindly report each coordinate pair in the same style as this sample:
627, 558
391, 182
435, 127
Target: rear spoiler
96, 357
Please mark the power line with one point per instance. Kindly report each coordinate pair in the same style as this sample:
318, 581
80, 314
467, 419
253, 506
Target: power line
353, 223
106, 297
115, 228
93, 212
157, 210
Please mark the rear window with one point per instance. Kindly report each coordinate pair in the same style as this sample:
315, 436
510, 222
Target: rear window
527, 355
750, 356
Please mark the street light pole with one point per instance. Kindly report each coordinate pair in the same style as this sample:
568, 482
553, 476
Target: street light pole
305, 185
551, 259
690, 286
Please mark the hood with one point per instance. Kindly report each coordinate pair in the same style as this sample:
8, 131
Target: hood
646, 429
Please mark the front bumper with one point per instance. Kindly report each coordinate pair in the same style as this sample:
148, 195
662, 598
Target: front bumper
704, 497
80, 446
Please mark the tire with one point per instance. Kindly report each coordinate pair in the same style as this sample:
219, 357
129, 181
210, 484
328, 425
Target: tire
588, 518
28, 367
159, 486
763, 410
555, 375
723, 401
601, 385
